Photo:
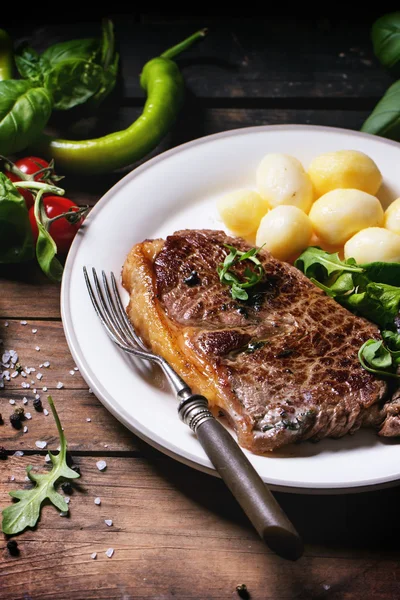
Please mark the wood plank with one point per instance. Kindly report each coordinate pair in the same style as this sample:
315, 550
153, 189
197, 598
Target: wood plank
268, 57
179, 533
50, 338
103, 434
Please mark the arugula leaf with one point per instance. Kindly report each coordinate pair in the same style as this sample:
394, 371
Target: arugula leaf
318, 264
250, 278
26, 512
392, 340
383, 272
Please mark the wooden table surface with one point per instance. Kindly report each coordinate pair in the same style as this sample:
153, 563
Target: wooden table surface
178, 533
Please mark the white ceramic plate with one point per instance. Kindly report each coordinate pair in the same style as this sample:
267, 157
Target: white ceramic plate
178, 190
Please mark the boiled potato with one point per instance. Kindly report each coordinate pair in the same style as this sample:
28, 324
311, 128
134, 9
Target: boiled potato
373, 244
392, 216
242, 211
285, 231
281, 179
348, 169
339, 214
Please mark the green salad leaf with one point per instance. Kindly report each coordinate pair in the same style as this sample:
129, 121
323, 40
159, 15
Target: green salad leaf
248, 279
368, 290
26, 512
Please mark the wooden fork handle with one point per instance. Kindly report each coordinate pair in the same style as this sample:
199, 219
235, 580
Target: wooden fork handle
241, 478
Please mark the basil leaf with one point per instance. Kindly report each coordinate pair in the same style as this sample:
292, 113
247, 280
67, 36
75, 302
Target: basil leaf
386, 39
46, 251
84, 49
73, 82
109, 62
16, 241
385, 118
28, 64
318, 264
24, 112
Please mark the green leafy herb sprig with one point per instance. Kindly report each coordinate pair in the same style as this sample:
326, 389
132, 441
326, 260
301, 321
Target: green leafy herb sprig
369, 290
250, 277
26, 512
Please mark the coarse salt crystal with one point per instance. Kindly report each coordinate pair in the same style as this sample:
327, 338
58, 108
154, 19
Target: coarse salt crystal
76, 369
25, 400
23, 374
28, 416
25, 385
5, 357
59, 385
47, 458
37, 396
26, 478
93, 555
110, 552
97, 501
6, 324
15, 374
34, 390
72, 372
88, 420
108, 522
25, 429
44, 389
39, 376
90, 391
40, 444
67, 499
101, 465
12, 478
23, 322
45, 412
37, 348
18, 453
63, 513
46, 364
12, 401
105, 445
34, 330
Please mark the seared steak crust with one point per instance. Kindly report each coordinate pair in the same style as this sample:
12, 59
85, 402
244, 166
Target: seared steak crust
283, 366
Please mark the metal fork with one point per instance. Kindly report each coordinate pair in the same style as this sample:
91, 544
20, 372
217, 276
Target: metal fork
225, 454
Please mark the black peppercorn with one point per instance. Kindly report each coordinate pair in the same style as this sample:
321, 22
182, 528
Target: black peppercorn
193, 279
20, 412
12, 547
3, 453
242, 591
37, 404
15, 421
66, 487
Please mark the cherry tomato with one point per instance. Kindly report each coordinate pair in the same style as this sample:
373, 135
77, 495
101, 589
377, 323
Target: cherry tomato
29, 198
62, 231
31, 165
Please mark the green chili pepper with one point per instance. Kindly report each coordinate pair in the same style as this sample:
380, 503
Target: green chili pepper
6, 56
164, 85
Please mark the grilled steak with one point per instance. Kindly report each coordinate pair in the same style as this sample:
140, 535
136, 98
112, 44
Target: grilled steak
282, 366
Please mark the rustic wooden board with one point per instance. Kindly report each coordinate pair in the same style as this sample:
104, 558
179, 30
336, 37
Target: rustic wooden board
283, 57
103, 434
179, 533
50, 338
